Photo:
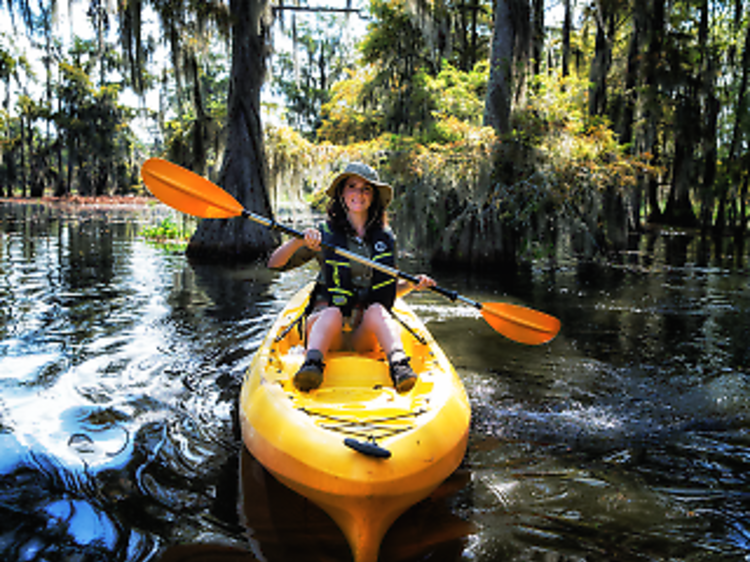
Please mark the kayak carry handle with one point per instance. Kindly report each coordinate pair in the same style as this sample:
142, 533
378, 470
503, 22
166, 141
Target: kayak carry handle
370, 448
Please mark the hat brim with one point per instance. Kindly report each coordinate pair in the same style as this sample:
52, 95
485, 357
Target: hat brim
385, 190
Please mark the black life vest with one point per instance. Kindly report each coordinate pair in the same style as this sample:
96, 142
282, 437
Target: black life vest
337, 274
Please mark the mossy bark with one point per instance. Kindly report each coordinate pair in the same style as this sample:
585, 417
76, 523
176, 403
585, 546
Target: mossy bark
243, 171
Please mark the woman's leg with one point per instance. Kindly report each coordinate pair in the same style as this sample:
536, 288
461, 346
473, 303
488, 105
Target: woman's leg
377, 324
376, 327
323, 332
324, 329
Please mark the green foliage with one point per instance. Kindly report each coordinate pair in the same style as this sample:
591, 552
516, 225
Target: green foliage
7, 64
460, 94
195, 127
95, 130
304, 75
561, 166
397, 51
559, 162
573, 146
73, 134
288, 152
169, 232
455, 99
346, 118
402, 159
458, 101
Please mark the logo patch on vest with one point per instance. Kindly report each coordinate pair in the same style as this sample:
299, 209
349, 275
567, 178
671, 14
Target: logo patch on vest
380, 246
338, 300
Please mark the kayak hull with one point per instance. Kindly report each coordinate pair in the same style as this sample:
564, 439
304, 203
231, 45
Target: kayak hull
412, 441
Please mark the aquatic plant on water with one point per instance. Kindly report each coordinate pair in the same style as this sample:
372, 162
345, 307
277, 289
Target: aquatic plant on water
168, 232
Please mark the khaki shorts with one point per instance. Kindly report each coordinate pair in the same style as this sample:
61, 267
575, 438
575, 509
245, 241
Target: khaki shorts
351, 322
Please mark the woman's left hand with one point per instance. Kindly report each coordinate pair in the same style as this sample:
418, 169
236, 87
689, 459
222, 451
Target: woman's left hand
425, 282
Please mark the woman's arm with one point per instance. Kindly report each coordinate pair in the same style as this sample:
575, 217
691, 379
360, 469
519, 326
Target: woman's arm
283, 253
404, 287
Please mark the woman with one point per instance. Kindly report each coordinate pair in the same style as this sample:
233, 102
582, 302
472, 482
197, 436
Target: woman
348, 293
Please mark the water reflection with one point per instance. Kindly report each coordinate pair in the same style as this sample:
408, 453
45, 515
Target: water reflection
119, 380
286, 526
627, 438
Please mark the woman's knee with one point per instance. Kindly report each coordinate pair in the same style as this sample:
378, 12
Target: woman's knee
326, 318
329, 315
324, 330
333, 313
376, 311
377, 318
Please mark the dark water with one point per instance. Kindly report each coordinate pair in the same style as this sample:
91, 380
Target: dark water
627, 438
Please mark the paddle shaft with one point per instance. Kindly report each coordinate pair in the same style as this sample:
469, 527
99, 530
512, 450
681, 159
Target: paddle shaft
185, 191
452, 295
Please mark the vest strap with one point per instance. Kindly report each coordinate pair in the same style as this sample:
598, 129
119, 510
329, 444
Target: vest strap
339, 287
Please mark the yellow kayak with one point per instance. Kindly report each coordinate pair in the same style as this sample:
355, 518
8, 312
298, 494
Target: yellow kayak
354, 446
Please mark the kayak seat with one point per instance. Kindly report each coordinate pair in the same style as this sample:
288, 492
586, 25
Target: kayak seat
342, 369
350, 370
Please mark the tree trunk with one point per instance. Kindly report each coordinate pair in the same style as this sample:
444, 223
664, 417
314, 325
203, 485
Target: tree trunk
710, 157
679, 210
200, 125
62, 186
567, 24
538, 35
243, 172
711, 107
474, 54
23, 156
71, 162
743, 200
600, 65
629, 100
650, 114
615, 214
735, 164
511, 46
499, 89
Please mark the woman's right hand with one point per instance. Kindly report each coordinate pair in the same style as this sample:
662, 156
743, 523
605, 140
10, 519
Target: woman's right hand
312, 239
283, 253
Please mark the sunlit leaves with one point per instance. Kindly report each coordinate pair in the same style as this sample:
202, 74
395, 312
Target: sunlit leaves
450, 106
303, 76
347, 117
576, 153
459, 94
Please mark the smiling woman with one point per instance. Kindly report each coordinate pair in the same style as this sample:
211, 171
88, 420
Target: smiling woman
350, 304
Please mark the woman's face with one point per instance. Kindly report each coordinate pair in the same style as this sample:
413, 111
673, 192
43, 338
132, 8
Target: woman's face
357, 194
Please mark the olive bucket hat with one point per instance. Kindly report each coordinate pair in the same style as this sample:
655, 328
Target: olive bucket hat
366, 173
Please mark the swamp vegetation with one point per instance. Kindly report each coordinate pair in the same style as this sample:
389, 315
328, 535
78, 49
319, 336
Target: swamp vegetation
505, 131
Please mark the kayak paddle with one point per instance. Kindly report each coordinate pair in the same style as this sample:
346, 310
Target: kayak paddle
192, 194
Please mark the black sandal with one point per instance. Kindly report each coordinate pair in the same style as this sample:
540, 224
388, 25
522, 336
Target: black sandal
403, 376
310, 374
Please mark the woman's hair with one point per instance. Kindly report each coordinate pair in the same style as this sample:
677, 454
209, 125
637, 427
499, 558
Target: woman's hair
337, 211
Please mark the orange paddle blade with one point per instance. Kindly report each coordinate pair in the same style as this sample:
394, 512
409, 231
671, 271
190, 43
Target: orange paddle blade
188, 192
519, 323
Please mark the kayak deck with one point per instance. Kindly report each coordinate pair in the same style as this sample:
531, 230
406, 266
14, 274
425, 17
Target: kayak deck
357, 448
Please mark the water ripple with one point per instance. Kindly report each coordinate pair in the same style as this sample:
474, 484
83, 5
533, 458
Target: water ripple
626, 438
